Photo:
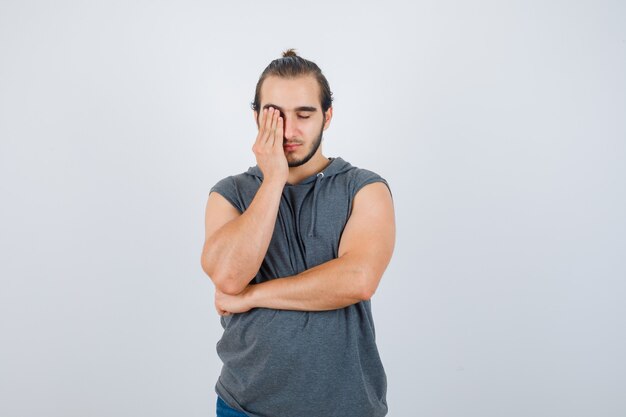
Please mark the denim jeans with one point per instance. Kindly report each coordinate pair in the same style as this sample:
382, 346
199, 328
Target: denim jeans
224, 410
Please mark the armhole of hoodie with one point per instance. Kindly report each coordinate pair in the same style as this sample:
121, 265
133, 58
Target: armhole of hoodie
227, 188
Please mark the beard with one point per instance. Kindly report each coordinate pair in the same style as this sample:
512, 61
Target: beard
314, 147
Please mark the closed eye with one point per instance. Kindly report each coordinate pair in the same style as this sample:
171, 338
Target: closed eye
304, 117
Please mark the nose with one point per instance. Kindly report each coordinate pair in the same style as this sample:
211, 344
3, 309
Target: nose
289, 129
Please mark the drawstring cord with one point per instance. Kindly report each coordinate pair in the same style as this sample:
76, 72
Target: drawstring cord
320, 175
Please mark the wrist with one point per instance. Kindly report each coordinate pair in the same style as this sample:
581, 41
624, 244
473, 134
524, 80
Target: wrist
252, 296
261, 294
274, 181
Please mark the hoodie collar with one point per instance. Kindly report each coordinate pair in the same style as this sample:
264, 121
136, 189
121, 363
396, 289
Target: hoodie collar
337, 165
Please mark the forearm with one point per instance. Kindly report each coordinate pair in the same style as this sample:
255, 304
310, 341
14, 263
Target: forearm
234, 253
334, 284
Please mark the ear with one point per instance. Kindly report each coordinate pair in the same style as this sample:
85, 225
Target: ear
256, 117
329, 115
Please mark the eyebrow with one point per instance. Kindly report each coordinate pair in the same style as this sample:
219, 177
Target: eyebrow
301, 108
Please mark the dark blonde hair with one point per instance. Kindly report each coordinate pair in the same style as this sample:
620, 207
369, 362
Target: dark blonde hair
290, 65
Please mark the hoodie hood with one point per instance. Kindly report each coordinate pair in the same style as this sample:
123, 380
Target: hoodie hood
337, 165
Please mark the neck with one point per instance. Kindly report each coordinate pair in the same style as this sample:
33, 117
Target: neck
312, 167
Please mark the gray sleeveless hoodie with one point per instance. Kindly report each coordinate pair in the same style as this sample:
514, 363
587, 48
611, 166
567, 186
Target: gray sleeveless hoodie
288, 363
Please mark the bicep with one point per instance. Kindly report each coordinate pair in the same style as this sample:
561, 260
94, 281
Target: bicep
369, 234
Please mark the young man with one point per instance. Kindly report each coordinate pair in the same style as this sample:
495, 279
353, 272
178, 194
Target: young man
296, 247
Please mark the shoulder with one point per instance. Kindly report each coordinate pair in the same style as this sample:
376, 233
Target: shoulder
226, 182
238, 189
360, 177
236, 181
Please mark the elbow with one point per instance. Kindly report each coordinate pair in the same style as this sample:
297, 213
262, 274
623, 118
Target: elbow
228, 286
369, 284
367, 293
224, 283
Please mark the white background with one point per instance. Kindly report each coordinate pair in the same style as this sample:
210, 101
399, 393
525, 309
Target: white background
500, 127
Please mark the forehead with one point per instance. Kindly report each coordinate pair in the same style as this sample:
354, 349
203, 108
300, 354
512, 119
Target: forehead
289, 93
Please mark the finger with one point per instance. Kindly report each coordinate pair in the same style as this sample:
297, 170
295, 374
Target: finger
279, 136
272, 138
261, 119
268, 124
261, 126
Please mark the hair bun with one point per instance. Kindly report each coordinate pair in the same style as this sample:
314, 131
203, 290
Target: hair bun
290, 52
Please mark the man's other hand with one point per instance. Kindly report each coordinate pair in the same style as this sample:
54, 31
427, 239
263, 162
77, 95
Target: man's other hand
226, 304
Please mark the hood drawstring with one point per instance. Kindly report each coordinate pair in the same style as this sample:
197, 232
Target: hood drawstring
320, 175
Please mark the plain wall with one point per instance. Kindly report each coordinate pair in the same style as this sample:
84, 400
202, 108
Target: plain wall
499, 126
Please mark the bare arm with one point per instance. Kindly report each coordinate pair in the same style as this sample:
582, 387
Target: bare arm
365, 250
334, 284
232, 254
235, 244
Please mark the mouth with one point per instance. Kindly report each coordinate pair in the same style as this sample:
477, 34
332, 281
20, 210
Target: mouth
290, 146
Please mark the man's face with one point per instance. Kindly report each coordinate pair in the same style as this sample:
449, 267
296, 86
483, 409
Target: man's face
298, 101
